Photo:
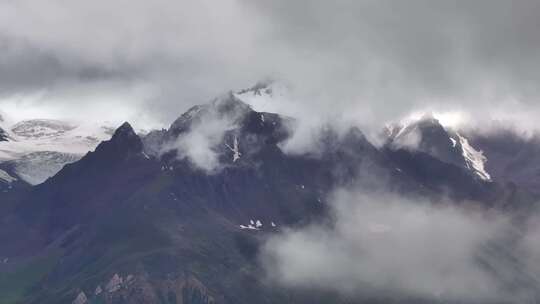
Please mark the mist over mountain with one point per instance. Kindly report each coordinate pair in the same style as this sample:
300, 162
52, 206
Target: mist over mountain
342, 152
217, 208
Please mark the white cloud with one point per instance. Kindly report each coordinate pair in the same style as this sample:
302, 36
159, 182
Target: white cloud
203, 142
386, 245
199, 145
366, 61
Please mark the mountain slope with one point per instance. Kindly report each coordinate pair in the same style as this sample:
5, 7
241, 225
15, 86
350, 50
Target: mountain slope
129, 223
120, 211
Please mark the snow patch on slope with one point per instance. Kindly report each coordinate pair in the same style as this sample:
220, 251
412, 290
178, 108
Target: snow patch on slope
235, 149
475, 160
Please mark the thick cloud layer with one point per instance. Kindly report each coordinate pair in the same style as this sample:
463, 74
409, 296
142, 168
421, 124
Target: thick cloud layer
368, 60
383, 244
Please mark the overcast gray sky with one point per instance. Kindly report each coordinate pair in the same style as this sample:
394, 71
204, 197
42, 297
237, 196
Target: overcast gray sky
374, 60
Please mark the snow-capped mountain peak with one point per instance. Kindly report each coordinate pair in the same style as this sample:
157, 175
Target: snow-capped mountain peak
428, 135
41, 128
36, 149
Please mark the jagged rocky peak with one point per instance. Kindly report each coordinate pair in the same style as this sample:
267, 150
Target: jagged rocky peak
125, 130
125, 134
223, 121
253, 106
428, 135
123, 142
224, 107
425, 134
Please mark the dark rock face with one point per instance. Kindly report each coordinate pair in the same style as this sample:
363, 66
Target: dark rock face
3, 135
168, 232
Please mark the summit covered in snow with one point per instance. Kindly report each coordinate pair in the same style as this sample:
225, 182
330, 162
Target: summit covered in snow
428, 135
34, 150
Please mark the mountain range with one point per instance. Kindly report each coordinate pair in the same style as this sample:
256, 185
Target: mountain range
179, 215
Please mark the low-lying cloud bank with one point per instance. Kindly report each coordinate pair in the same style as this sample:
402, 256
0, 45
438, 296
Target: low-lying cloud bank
389, 246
